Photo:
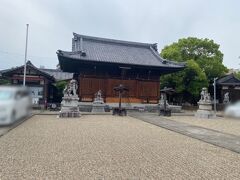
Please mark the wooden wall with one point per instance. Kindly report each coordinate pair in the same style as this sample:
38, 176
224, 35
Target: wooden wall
140, 91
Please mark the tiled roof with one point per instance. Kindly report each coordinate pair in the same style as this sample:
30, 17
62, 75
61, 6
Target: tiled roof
29, 64
228, 80
58, 74
96, 49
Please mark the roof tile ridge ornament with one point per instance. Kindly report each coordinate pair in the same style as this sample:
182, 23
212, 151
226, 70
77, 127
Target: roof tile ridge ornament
76, 36
62, 53
29, 63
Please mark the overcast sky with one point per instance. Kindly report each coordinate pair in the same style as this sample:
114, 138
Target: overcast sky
162, 21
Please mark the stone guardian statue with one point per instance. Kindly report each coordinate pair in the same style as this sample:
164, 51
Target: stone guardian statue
205, 105
69, 104
226, 98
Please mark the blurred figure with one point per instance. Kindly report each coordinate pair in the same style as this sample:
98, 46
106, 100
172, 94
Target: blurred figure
15, 103
226, 98
233, 110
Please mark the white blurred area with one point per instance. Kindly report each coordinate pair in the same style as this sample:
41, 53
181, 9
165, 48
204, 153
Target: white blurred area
15, 103
233, 110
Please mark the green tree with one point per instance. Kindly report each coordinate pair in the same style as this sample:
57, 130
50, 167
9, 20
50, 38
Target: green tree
204, 62
60, 85
187, 83
237, 75
204, 52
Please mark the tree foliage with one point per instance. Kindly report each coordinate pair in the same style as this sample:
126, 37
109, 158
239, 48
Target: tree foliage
204, 52
188, 82
237, 75
60, 85
204, 61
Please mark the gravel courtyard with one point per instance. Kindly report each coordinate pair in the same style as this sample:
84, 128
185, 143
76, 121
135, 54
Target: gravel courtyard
226, 125
107, 147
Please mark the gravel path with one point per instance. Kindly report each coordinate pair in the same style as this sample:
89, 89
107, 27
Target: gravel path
226, 125
3, 130
107, 147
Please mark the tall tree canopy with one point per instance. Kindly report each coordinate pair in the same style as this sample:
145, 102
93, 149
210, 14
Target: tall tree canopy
237, 75
204, 61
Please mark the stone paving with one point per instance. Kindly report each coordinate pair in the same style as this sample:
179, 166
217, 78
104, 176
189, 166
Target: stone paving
221, 139
226, 125
109, 147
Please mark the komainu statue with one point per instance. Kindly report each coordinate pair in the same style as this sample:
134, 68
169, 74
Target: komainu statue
205, 105
69, 104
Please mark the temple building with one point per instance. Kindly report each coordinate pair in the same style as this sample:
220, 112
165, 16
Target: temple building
102, 64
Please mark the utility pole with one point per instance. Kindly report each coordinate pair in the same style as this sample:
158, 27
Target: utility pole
215, 101
25, 59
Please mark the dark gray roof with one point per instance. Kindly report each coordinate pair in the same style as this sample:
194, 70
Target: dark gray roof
229, 79
58, 74
28, 64
97, 49
1, 72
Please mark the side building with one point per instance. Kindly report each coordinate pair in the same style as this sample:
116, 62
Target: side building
102, 64
228, 84
40, 82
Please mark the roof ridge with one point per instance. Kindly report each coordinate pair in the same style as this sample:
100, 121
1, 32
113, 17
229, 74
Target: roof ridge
114, 40
49, 69
227, 77
29, 63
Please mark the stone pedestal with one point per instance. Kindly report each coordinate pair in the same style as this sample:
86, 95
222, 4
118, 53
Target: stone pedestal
205, 110
98, 103
69, 107
98, 108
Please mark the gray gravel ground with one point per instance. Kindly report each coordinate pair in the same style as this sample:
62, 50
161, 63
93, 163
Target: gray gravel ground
3, 130
107, 147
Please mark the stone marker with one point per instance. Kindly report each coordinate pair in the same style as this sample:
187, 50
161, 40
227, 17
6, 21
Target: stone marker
69, 104
205, 105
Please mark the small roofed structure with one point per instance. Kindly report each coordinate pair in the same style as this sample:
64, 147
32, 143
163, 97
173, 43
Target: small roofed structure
228, 84
39, 82
101, 63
